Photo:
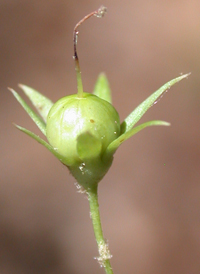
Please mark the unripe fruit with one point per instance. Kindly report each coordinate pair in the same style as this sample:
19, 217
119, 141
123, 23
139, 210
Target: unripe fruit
81, 126
71, 117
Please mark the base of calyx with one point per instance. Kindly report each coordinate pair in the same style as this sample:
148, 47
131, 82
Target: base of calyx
90, 173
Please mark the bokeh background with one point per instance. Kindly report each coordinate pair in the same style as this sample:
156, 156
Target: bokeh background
150, 199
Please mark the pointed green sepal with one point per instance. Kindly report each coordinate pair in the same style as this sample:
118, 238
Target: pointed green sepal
102, 88
135, 116
44, 143
116, 143
38, 121
88, 146
40, 102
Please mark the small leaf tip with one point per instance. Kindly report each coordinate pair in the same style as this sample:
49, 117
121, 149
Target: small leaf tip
12, 91
17, 126
166, 124
102, 74
20, 85
185, 75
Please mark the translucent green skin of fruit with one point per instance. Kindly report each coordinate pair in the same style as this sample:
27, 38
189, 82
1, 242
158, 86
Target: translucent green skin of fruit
72, 117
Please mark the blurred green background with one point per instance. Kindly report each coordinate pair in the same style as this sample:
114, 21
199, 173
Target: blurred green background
150, 199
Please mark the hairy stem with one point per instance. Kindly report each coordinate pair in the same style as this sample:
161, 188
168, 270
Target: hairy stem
104, 253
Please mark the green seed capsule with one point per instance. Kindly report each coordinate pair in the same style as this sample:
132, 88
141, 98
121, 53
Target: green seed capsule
90, 121
81, 126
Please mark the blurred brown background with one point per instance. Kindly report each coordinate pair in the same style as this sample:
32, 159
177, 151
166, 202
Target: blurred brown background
150, 199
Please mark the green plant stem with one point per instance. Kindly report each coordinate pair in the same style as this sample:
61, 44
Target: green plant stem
104, 253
